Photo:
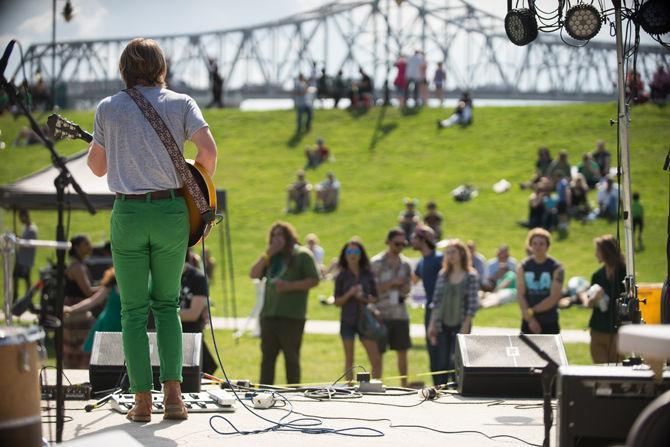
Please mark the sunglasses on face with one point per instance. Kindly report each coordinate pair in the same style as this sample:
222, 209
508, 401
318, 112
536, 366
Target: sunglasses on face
352, 251
398, 243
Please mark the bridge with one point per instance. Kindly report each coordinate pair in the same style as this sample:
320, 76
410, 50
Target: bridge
262, 60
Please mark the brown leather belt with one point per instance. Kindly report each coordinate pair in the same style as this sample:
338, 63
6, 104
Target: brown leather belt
153, 195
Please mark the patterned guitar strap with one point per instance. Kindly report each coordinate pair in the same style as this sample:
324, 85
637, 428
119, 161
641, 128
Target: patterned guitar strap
175, 154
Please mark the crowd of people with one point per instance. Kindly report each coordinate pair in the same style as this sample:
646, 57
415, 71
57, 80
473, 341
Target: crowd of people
93, 304
373, 294
561, 191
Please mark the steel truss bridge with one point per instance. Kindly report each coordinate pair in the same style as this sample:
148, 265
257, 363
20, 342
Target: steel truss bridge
263, 60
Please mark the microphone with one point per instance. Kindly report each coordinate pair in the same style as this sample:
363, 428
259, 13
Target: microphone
5, 57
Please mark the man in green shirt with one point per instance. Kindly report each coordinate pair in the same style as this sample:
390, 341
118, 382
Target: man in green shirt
289, 271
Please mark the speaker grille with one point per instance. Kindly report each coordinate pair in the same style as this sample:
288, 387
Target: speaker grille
509, 351
108, 349
503, 365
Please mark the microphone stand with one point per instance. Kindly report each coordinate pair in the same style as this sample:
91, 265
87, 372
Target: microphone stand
61, 182
547, 376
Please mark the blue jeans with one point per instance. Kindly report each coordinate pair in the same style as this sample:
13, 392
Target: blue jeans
446, 347
300, 111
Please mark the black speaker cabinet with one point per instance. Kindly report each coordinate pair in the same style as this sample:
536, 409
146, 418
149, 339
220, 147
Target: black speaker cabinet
597, 405
107, 361
503, 365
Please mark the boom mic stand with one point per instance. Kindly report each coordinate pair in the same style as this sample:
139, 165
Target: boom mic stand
61, 182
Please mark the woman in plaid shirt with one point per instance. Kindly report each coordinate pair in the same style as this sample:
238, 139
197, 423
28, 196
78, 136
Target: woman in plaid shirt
455, 302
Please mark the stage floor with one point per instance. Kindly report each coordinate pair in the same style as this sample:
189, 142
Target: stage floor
521, 418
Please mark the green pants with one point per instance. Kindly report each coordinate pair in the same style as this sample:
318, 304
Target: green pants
149, 241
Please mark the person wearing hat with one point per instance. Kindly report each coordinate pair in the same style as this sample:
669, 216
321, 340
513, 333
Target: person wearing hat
317, 155
427, 270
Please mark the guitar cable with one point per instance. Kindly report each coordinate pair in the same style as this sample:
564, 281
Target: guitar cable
304, 425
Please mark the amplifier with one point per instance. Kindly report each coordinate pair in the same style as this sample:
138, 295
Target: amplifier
107, 361
503, 365
597, 405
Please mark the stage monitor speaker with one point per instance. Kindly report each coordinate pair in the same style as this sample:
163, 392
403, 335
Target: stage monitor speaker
503, 365
598, 405
107, 361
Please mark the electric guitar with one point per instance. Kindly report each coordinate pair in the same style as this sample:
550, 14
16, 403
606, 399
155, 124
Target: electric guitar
198, 228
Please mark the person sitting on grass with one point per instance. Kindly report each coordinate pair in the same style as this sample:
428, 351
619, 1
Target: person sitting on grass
608, 199
590, 170
560, 165
580, 207
409, 217
462, 114
317, 155
298, 194
504, 290
541, 167
327, 194
434, 219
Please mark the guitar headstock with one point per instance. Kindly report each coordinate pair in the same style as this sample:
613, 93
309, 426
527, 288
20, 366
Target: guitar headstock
63, 128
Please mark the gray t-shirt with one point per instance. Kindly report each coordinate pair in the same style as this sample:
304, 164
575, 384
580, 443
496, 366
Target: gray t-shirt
137, 161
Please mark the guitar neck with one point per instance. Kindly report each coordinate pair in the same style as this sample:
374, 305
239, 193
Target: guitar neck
83, 135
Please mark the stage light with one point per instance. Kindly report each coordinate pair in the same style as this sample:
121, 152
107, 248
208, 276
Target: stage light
654, 17
521, 26
582, 22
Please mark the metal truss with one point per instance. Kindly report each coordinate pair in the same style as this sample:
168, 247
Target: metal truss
263, 60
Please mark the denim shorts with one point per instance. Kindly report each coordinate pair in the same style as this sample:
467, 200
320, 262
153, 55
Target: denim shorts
349, 331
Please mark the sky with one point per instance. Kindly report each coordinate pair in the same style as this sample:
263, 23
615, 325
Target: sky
30, 20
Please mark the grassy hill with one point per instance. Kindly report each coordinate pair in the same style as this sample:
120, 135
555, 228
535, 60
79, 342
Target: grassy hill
385, 155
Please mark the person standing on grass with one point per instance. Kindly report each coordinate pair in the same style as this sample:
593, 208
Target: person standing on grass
149, 222
455, 303
427, 270
25, 256
290, 272
606, 286
539, 285
355, 288
393, 274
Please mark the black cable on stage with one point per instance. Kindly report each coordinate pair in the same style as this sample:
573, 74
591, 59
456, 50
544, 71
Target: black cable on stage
294, 425
392, 425
464, 432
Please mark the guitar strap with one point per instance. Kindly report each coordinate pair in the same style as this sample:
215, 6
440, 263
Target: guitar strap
170, 144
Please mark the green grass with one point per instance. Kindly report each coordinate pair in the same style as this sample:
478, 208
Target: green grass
381, 158
323, 359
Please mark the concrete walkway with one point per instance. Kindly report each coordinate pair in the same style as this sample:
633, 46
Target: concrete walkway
330, 327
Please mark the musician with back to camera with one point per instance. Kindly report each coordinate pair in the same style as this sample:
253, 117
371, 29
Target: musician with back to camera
149, 221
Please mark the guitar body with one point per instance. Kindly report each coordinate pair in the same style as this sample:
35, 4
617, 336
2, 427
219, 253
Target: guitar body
198, 229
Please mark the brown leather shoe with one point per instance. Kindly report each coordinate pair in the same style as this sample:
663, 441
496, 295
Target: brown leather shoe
141, 411
174, 406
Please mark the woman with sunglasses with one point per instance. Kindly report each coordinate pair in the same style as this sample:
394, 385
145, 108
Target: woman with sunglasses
354, 289
455, 302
